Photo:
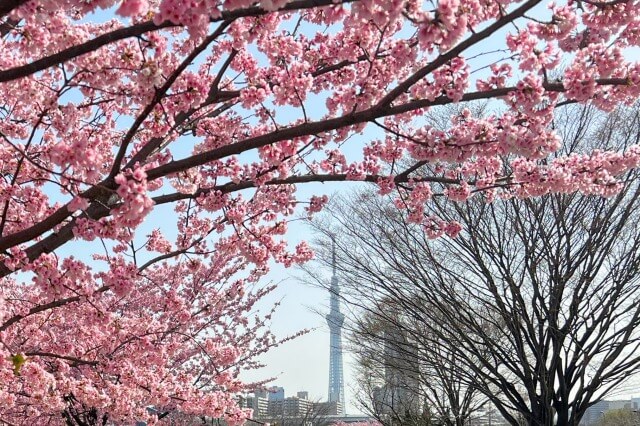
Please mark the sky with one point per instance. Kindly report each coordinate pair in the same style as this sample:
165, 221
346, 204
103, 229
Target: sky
303, 363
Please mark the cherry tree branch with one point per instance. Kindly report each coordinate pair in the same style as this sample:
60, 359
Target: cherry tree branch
341, 177
160, 94
134, 31
7, 26
42, 308
102, 192
604, 4
7, 6
74, 360
96, 211
456, 51
80, 49
309, 128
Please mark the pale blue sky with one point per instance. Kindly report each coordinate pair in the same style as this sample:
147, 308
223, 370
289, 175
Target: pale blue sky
303, 364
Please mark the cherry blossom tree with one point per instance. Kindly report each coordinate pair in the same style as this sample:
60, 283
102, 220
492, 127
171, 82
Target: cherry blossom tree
151, 152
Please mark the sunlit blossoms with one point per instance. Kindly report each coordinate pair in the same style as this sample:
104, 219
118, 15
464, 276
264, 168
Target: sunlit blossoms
152, 153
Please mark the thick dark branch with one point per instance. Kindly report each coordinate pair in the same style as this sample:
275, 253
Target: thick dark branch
331, 124
41, 308
80, 49
73, 360
604, 4
7, 6
7, 26
234, 187
97, 211
103, 191
456, 51
133, 31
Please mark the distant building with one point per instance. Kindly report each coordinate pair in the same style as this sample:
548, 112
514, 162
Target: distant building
329, 408
261, 393
257, 402
487, 416
399, 396
276, 394
623, 405
259, 405
351, 418
289, 407
274, 407
274, 404
595, 413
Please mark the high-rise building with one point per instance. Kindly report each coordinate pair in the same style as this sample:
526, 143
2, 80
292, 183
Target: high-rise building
276, 394
261, 393
401, 372
289, 407
335, 319
258, 404
329, 408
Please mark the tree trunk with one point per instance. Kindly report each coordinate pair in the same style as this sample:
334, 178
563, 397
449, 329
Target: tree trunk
562, 413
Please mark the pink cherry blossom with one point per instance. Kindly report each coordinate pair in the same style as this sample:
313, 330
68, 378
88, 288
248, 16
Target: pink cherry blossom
154, 153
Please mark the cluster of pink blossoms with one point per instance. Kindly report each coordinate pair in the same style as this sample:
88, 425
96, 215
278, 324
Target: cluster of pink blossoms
136, 204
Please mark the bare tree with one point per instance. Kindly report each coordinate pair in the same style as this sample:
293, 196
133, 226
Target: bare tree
620, 417
402, 378
537, 300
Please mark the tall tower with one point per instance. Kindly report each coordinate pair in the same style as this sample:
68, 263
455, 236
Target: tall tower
335, 319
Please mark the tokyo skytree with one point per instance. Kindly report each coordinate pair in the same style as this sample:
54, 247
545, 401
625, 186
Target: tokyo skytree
335, 319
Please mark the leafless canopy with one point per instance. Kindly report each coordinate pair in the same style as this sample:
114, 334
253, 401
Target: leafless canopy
537, 300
